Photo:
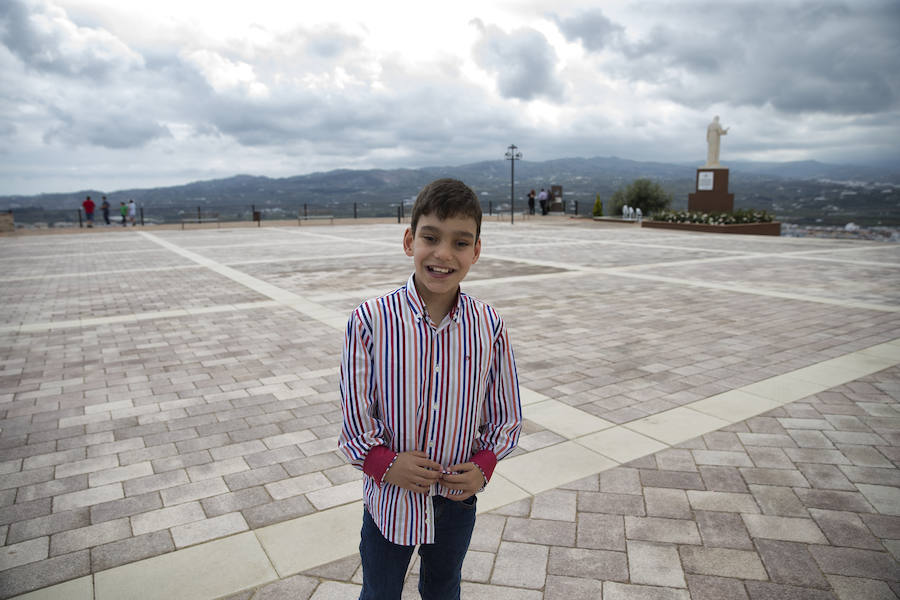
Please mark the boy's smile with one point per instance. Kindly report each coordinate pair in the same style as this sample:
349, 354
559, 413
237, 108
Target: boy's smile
443, 251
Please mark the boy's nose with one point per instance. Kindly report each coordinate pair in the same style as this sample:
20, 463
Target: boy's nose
443, 251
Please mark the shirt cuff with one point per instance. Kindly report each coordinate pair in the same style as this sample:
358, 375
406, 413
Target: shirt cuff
378, 461
486, 461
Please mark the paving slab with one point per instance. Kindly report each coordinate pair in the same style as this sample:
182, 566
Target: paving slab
168, 392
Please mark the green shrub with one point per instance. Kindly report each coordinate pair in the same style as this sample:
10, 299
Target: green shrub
647, 195
598, 207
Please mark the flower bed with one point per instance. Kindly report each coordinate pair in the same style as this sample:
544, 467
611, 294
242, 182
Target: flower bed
738, 217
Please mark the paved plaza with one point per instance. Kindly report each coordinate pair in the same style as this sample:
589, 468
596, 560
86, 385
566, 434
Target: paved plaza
707, 416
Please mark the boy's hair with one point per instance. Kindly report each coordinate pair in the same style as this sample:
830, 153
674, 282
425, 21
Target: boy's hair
446, 198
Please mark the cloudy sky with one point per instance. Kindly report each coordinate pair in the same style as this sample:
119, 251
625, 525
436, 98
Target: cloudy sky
112, 94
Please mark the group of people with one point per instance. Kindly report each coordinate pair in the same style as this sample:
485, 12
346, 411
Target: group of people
544, 199
128, 211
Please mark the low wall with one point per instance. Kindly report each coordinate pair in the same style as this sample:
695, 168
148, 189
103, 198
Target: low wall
6, 222
742, 228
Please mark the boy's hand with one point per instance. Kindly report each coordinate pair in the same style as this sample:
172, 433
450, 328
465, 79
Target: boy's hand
413, 471
468, 479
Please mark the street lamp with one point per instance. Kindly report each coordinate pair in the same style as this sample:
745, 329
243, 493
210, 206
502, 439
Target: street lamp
512, 155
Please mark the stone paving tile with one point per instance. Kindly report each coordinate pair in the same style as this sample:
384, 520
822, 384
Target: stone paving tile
655, 529
722, 562
783, 528
621, 591
848, 588
26, 578
723, 530
762, 590
663, 502
23, 553
107, 556
790, 563
88, 537
854, 562
520, 565
223, 406
654, 564
705, 587
591, 564
556, 505
723, 479
572, 588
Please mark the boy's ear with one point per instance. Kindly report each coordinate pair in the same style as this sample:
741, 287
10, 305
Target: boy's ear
408, 241
477, 250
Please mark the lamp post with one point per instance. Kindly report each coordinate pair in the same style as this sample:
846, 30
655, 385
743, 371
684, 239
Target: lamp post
512, 155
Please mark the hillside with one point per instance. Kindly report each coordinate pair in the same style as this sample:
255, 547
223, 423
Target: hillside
801, 192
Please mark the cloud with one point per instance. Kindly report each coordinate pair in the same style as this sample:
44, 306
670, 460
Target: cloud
225, 75
167, 98
116, 130
331, 42
42, 37
522, 61
797, 57
592, 28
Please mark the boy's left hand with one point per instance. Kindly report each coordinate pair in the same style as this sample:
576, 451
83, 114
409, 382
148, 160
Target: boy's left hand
468, 479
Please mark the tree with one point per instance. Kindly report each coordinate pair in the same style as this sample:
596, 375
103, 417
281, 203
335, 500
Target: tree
598, 207
647, 195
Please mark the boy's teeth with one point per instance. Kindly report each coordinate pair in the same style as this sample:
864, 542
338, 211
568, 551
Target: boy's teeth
440, 269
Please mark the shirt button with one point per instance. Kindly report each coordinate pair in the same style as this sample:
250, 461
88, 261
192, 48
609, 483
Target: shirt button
437, 368
431, 444
434, 406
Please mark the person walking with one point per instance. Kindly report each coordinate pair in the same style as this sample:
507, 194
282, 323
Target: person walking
531, 195
104, 206
123, 210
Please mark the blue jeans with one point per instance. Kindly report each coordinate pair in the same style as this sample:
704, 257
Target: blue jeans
384, 563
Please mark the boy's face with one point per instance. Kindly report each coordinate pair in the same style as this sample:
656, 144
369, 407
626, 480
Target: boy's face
442, 252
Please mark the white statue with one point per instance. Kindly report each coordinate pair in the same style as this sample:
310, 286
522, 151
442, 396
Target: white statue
639, 213
714, 132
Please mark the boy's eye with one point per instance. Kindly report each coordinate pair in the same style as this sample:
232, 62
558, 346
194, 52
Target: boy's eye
462, 244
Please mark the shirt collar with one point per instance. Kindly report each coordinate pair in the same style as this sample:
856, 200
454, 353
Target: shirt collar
418, 305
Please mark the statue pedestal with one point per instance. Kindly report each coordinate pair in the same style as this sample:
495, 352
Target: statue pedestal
712, 191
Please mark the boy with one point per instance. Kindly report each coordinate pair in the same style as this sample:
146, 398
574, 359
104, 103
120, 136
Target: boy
430, 402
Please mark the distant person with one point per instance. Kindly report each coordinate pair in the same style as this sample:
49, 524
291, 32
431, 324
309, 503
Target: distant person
88, 206
542, 200
124, 212
132, 212
104, 206
531, 195
423, 466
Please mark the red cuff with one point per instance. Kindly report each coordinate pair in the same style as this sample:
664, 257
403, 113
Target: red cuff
377, 462
486, 461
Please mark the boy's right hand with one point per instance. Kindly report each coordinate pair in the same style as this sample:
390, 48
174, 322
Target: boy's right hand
413, 471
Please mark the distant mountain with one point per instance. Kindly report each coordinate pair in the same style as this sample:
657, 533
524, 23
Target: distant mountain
772, 186
811, 169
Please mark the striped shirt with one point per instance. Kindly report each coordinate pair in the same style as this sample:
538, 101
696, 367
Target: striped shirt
449, 390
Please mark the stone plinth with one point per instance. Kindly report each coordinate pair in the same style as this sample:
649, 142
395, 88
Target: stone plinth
712, 191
